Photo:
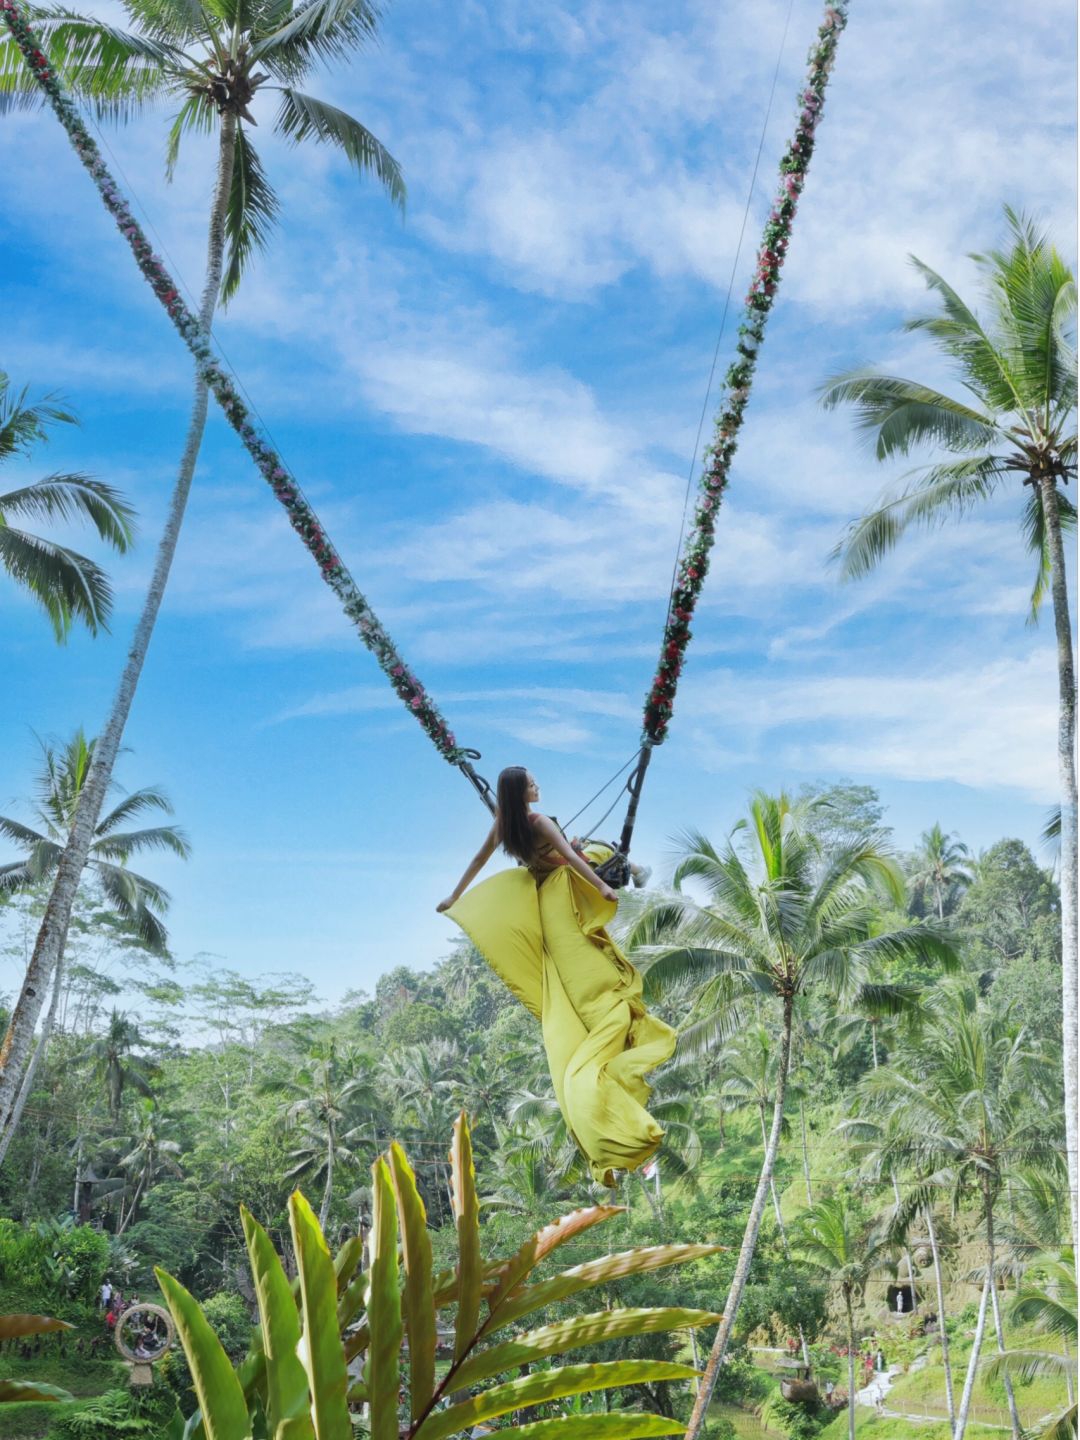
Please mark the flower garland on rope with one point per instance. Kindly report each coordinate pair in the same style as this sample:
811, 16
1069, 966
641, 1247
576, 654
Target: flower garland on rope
301, 515
694, 561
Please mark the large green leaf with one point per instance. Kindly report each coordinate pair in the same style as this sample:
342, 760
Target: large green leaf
382, 1372
537, 1248
286, 1383
467, 1216
567, 1335
546, 1385
618, 1425
420, 1305
221, 1399
12, 1326
347, 1261
16, 1392
320, 1349
601, 1271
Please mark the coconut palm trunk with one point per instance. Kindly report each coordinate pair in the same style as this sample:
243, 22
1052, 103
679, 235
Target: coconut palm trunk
1067, 772
939, 1285
850, 1364
49, 945
328, 1188
973, 1362
750, 1236
35, 1060
995, 1304
781, 1228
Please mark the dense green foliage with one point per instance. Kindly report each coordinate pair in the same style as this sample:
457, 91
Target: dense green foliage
246, 1088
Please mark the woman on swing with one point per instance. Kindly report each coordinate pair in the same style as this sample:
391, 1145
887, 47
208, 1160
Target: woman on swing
541, 929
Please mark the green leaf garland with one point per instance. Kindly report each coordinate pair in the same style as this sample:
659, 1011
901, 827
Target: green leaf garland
694, 561
301, 515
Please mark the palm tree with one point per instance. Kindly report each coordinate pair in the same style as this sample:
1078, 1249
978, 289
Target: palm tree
1047, 1301
959, 1109
324, 1101
212, 58
942, 866
1017, 422
115, 1066
150, 1156
785, 917
59, 784
139, 902
831, 1238
66, 584
881, 1144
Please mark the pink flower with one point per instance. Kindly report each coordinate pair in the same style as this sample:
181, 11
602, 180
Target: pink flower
416, 702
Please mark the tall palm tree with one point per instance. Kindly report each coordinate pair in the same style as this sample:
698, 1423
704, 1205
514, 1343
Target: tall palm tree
785, 917
1046, 1301
149, 1157
832, 1239
139, 902
879, 1141
59, 784
1016, 425
115, 1066
942, 866
66, 584
959, 1108
331, 1100
212, 57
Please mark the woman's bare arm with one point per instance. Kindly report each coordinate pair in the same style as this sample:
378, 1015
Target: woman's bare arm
476, 864
554, 836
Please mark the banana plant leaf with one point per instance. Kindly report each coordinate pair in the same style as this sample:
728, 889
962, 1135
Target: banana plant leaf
321, 1350
12, 1326
419, 1305
222, 1406
16, 1392
286, 1382
571, 1334
543, 1385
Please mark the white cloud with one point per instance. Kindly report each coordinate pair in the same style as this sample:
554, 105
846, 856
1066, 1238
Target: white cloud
988, 725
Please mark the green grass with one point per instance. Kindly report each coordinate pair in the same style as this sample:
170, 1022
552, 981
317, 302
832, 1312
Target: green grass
746, 1424
32, 1422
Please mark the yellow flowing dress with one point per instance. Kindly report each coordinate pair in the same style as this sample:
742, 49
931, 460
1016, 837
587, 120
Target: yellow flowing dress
544, 936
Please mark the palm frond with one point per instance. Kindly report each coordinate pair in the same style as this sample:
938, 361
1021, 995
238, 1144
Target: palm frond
150, 797
22, 425
71, 497
195, 115
318, 31
251, 213
896, 415
301, 117
939, 493
67, 585
1033, 523
121, 845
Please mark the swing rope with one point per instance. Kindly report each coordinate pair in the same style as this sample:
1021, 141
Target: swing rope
693, 564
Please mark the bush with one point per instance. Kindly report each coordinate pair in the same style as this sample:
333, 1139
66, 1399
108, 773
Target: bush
119, 1414
54, 1260
228, 1315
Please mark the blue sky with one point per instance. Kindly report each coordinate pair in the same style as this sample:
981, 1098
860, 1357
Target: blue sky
493, 407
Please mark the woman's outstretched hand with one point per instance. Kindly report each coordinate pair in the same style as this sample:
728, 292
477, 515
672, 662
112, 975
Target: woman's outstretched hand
443, 905
608, 894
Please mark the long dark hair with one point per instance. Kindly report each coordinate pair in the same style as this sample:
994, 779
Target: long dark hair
512, 815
